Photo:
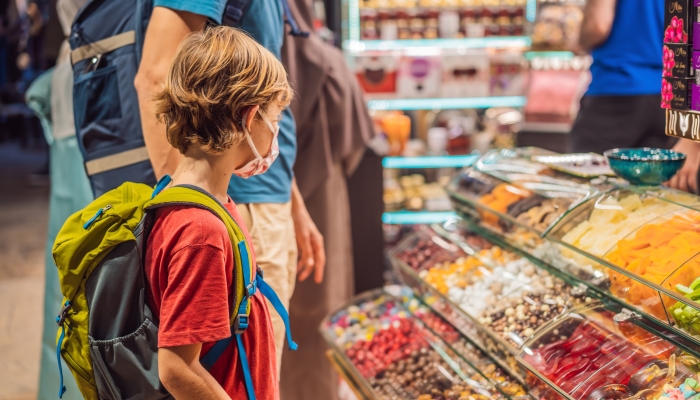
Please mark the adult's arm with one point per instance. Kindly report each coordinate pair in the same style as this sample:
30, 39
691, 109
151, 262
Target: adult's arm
166, 29
598, 17
184, 376
312, 253
687, 178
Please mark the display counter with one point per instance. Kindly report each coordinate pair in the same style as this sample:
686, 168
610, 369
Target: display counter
571, 285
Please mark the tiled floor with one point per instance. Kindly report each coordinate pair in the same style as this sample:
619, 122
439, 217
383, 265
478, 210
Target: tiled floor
23, 224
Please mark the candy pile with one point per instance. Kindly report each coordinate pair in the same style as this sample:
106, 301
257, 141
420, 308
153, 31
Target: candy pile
428, 251
499, 199
423, 375
612, 220
688, 390
394, 354
508, 280
386, 348
541, 216
523, 316
592, 358
686, 316
469, 352
655, 252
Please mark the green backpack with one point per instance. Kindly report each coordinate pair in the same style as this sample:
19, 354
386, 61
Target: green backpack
107, 334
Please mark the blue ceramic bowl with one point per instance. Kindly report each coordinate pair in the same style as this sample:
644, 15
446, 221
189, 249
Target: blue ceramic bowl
645, 166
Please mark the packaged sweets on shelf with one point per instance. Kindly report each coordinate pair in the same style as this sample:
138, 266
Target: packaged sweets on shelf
587, 355
398, 355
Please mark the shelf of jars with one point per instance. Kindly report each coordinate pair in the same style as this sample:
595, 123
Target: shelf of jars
634, 245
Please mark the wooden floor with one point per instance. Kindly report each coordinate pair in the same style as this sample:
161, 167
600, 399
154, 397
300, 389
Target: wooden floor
23, 226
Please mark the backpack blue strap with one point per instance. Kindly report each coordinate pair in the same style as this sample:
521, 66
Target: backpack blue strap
60, 320
250, 390
240, 323
162, 183
289, 20
270, 294
62, 387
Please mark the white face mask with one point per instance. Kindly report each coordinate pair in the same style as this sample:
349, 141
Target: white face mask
259, 165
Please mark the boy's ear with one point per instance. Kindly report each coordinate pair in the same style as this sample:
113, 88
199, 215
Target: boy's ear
248, 116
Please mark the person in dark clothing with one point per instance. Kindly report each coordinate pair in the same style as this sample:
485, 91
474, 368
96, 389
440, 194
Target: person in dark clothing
622, 105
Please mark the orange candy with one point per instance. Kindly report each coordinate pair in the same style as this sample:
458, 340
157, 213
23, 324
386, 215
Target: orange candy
659, 253
499, 199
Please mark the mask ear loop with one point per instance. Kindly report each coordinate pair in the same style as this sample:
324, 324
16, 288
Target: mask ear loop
268, 123
247, 135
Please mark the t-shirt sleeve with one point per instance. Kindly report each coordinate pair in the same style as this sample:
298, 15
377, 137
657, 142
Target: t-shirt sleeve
213, 9
194, 306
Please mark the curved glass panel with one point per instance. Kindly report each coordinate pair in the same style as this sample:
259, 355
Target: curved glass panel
587, 351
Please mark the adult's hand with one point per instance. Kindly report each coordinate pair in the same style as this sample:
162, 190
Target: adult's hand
687, 178
312, 253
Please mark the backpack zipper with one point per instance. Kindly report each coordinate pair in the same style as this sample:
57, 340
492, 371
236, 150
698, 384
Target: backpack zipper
99, 212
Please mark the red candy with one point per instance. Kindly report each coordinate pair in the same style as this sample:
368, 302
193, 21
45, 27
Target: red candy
593, 357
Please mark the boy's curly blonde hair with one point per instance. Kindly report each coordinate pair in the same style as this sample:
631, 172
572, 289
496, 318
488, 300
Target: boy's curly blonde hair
214, 75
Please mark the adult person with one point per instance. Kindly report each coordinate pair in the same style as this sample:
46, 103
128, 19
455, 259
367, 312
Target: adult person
334, 128
622, 105
51, 98
270, 204
687, 178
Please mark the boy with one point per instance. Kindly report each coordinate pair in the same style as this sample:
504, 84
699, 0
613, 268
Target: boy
221, 105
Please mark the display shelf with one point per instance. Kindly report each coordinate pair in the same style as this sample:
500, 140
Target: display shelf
385, 337
643, 346
416, 217
491, 42
429, 161
484, 269
600, 240
446, 103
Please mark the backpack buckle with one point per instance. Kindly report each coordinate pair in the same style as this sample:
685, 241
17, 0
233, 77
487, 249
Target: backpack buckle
251, 289
240, 324
63, 314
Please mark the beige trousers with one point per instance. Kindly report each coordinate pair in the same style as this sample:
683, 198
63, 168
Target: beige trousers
306, 373
272, 230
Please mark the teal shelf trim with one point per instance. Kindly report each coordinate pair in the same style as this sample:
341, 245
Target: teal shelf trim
429, 162
447, 103
415, 218
355, 46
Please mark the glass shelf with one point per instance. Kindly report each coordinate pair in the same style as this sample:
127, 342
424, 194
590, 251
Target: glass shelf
430, 161
447, 103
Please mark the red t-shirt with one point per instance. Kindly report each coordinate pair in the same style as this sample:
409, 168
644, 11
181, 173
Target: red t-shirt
189, 269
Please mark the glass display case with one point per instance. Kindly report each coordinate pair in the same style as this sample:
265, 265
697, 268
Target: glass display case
398, 348
635, 245
568, 287
588, 354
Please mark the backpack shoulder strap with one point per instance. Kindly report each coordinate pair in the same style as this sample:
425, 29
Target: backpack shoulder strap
196, 197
